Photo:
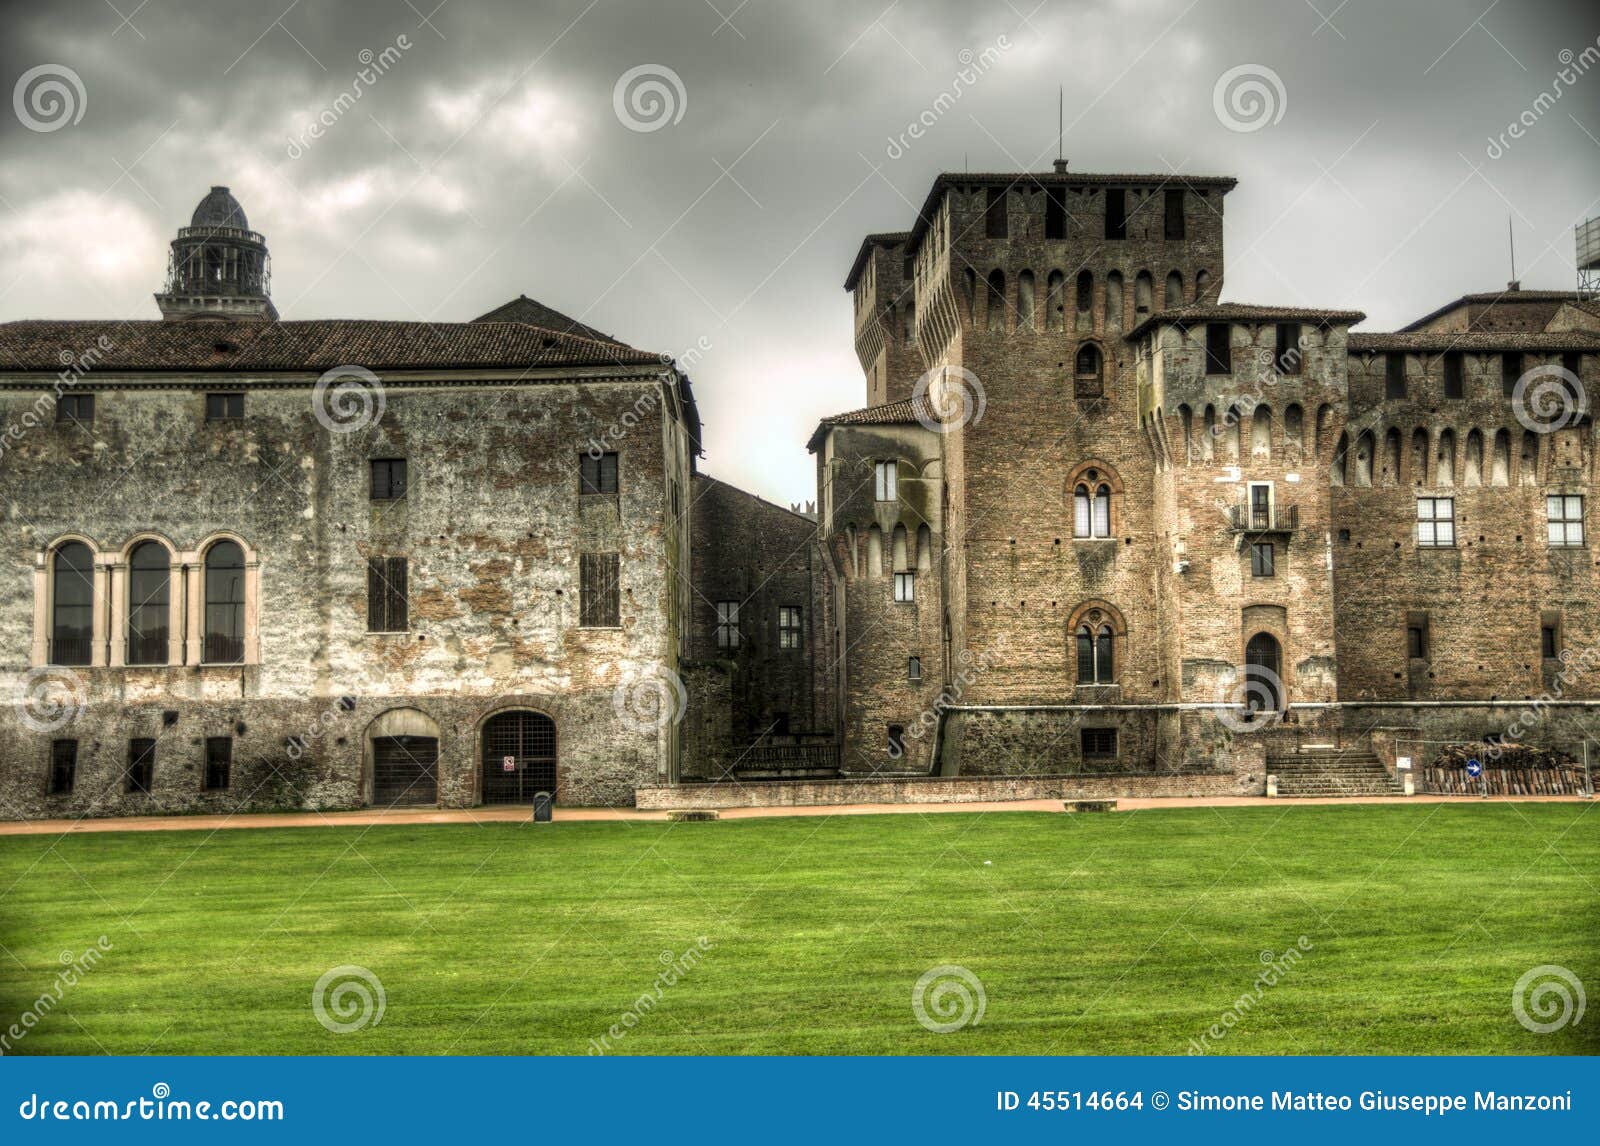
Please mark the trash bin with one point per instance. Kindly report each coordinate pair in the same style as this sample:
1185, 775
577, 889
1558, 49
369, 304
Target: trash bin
542, 803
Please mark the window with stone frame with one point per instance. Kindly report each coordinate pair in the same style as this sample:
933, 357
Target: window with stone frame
914, 669
1096, 644
1098, 743
1436, 522
1262, 559
1091, 507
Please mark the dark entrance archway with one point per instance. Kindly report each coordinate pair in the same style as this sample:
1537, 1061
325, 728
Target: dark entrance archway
1263, 674
519, 757
405, 770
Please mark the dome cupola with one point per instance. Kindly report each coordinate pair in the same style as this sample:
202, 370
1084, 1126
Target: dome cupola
219, 267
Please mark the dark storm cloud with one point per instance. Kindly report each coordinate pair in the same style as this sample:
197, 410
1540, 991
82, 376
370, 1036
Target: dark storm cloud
480, 155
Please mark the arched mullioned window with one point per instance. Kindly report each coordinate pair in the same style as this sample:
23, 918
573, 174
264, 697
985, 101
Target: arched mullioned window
224, 604
1096, 658
1091, 507
72, 605
149, 603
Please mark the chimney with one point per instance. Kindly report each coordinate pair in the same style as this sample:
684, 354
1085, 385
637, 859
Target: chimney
1514, 284
1061, 166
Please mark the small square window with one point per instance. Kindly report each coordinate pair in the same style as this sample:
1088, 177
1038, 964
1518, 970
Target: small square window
1262, 559
914, 669
597, 473
219, 762
1436, 522
727, 624
789, 627
1098, 743
77, 408
905, 586
388, 479
1566, 520
224, 407
886, 481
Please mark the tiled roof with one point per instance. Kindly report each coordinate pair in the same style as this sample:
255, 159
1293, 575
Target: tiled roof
1246, 312
1483, 341
246, 346
1496, 297
535, 313
886, 414
882, 238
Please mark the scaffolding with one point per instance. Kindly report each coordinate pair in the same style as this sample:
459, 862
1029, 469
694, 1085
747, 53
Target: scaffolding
1587, 236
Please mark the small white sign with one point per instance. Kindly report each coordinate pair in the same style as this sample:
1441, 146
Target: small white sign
508, 763
1402, 762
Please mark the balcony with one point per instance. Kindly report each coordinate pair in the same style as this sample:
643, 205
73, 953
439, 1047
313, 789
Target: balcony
1248, 518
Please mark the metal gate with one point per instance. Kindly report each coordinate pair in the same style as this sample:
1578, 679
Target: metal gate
519, 757
405, 770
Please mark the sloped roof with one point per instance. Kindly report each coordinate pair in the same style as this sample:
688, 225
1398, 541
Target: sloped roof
879, 239
1245, 312
1479, 340
1494, 298
535, 313
244, 346
886, 414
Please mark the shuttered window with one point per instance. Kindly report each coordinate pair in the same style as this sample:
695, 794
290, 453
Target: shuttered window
599, 591
388, 479
386, 595
597, 473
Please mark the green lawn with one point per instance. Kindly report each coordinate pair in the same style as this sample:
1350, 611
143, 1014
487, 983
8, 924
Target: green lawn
1126, 933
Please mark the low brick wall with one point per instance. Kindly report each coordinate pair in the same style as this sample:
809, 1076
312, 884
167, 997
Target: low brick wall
947, 790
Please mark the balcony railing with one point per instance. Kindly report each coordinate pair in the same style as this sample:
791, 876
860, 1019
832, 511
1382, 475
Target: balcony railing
1248, 518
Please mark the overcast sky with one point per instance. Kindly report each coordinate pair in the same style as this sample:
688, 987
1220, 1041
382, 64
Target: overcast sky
495, 155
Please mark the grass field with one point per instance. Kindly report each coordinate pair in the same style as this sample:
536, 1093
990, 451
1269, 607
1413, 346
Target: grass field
1126, 933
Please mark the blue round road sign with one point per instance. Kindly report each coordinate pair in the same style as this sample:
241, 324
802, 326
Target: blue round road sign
1474, 769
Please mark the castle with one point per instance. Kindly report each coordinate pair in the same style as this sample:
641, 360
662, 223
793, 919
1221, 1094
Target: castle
1093, 526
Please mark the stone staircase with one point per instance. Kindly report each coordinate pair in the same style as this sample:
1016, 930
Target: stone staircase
1328, 771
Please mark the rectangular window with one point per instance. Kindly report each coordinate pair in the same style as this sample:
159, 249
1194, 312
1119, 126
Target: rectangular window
1436, 522
1510, 371
886, 481
386, 595
789, 627
1417, 642
727, 624
599, 590
1219, 349
1566, 520
1172, 227
905, 586
1055, 213
1098, 743
1549, 643
597, 474
914, 669
1261, 559
1116, 213
141, 764
63, 766
224, 407
388, 479
897, 741
219, 762
1289, 355
994, 214
1394, 375
75, 408
1455, 385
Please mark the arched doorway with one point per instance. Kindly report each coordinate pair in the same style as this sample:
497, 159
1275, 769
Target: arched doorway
519, 757
1263, 674
403, 758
